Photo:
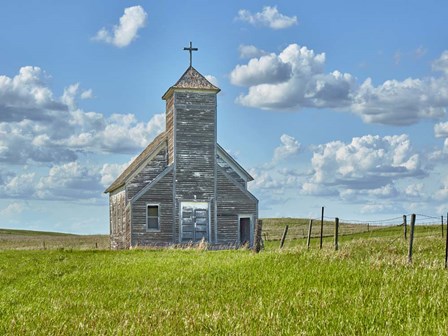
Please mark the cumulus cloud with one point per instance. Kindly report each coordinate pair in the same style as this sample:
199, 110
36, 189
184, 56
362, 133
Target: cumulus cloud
69, 181
293, 79
401, 102
36, 127
441, 130
133, 19
267, 69
268, 17
289, 147
369, 165
250, 51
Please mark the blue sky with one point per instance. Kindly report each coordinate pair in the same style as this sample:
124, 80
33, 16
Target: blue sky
339, 104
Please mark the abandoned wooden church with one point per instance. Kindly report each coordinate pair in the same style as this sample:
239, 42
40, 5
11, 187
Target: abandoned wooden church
184, 187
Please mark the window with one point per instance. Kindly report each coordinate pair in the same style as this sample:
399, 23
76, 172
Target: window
152, 216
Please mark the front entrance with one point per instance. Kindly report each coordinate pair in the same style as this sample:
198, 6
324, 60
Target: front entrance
244, 230
194, 221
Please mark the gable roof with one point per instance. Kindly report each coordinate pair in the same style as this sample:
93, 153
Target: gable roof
235, 165
192, 79
121, 180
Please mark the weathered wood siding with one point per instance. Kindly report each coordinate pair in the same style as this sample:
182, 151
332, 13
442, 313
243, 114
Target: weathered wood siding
149, 172
169, 127
118, 223
195, 148
160, 193
229, 170
232, 201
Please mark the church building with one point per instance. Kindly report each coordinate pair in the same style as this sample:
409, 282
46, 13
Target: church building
184, 187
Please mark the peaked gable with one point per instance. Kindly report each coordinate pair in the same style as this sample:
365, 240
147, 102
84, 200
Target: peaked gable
231, 163
192, 79
121, 180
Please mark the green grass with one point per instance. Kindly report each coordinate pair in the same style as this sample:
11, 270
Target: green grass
365, 288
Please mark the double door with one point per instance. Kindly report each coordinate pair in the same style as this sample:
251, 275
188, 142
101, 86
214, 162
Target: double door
194, 221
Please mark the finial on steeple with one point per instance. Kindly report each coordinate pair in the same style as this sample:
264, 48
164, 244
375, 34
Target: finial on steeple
191, 49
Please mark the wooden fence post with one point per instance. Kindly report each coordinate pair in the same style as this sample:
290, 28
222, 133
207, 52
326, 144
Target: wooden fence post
336, 233
411, 238
405, 225
446, 244
284, 236
310, 227
442, 224
258, 230
321, 228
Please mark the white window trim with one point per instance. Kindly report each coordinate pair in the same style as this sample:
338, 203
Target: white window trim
251, 225
158, 217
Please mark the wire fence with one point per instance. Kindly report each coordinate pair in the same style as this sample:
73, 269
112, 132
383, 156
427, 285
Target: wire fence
273, 228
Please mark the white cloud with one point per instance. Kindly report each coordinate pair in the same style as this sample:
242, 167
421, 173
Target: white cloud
441, 130
267, 69
133, 19
35, 127
442, 193
87, 94
12, 209
289, 147
293, 79
368, 165
441, 64
401, 102
250, 51
110, 171
269, 17
70, 181
212, 79
17, 186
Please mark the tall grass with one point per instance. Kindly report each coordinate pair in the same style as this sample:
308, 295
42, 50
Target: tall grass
365, 288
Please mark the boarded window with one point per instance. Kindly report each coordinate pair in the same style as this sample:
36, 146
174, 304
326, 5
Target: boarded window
152, 217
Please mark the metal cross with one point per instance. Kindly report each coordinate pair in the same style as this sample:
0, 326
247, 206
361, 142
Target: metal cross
191, 49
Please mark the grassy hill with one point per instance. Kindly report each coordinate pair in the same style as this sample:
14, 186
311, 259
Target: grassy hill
34, 240
366, 288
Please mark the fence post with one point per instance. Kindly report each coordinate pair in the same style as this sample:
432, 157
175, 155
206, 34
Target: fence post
411, 238
321, 227
446, 244
405, 225
336, 233
258, 230
442, 224
368, 227
284, 236
310, 227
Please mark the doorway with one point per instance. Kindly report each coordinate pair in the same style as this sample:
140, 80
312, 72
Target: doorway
244, 228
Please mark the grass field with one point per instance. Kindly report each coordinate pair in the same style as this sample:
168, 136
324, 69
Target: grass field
365, 288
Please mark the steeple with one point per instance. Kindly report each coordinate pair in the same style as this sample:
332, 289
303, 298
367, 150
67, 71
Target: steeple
192, 79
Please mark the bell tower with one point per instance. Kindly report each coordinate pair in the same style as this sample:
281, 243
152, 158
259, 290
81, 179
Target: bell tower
191, 132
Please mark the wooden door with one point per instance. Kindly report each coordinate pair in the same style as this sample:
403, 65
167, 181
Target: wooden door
194, 221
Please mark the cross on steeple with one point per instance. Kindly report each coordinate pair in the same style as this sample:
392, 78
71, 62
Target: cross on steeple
191, 49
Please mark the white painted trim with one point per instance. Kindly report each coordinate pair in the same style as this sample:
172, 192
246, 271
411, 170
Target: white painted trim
251, 226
